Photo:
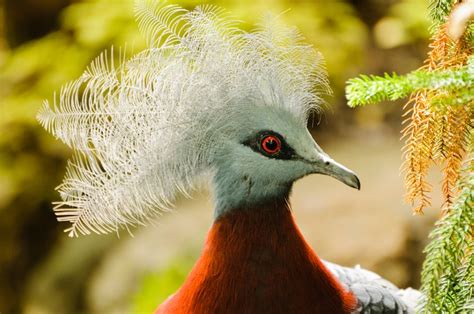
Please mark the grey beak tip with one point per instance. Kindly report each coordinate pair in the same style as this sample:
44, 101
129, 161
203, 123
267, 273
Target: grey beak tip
357, 183
354, 182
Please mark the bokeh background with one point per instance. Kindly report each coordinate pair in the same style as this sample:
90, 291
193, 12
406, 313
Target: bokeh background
45, 43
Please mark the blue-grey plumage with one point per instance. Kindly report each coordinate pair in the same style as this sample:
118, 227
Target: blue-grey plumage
375, 294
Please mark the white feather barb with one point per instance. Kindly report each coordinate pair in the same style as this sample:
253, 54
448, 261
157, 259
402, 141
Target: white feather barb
141, 128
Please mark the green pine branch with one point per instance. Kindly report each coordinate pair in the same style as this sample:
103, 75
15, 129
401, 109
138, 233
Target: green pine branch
370, 89
439, 10
459, 97
448, 268
465, 278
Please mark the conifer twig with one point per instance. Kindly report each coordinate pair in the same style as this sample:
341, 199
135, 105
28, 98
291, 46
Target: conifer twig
370, 89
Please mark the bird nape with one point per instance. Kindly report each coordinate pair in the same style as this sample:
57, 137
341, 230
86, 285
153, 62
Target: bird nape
208, 99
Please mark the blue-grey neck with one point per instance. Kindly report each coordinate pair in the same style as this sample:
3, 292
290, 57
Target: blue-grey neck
239, 190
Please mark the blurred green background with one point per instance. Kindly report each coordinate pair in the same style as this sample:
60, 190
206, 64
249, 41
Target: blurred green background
45, 43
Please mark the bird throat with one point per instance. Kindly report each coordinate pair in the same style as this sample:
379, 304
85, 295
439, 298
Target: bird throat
256, 260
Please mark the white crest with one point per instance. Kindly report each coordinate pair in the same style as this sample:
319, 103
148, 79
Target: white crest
140, 128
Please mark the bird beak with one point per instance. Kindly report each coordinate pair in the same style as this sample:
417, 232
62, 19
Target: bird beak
324, 164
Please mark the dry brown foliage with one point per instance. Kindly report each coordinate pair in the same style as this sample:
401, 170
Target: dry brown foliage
436, 134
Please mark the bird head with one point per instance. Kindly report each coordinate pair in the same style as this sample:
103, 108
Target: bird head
262, 153
205, 98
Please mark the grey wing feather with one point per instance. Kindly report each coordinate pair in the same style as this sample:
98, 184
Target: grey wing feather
375, 294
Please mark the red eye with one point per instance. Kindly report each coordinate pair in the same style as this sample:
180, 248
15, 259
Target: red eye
271, 144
